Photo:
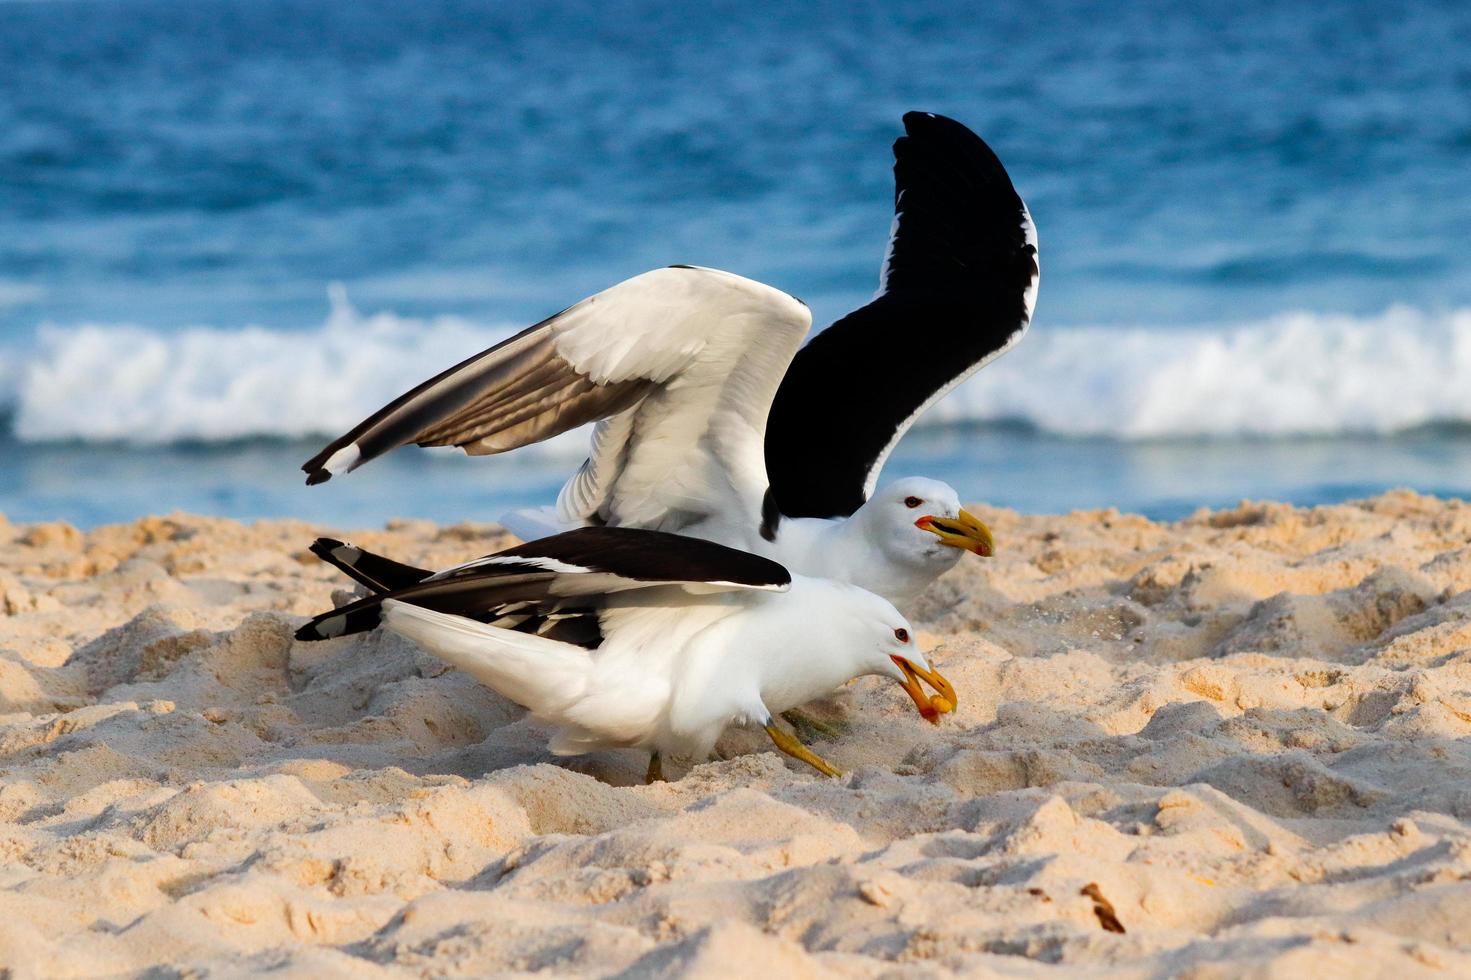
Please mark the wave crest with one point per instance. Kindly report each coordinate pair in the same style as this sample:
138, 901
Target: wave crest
123, 382
1298, 373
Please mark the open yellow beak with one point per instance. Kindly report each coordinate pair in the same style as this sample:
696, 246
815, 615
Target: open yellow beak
931, 707
964, 531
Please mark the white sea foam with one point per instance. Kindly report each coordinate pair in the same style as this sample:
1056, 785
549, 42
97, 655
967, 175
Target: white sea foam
1296, 373
126, 382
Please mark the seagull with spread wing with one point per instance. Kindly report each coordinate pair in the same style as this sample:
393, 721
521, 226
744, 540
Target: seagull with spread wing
625, 638
711, 422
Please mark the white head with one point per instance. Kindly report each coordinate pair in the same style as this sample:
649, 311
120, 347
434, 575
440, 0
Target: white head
883, 642
919, 524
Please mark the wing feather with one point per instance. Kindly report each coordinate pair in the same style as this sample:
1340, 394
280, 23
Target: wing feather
678, 366
691, 450
562, 578
457, 407
956, 290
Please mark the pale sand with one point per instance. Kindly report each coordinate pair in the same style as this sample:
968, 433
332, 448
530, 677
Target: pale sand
1246, 733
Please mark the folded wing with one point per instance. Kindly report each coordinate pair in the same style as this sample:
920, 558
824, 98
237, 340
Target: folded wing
377, 573
557, 587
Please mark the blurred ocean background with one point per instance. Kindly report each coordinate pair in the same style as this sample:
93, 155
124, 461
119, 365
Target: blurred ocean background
229, 228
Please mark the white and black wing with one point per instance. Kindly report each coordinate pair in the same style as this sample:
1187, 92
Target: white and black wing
680, 363
613, 558
556, 587
518, 392
956, 291
375, 572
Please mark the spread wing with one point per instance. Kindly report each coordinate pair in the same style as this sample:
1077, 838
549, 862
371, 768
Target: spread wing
956, 291
679, 364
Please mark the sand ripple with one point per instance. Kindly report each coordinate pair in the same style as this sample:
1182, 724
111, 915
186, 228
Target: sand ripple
1233, 745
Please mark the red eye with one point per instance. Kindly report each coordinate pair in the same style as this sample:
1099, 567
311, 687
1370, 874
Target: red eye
912, 502
902, 635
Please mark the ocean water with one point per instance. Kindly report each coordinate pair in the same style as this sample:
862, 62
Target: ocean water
230, 228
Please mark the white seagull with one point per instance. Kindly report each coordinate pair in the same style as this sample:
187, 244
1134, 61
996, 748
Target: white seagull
712, 423
624, 638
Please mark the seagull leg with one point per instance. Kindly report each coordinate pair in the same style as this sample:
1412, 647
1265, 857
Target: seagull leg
656, 770
809, 726
793, 747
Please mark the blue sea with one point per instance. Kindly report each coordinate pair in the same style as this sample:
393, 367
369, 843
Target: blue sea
231, 228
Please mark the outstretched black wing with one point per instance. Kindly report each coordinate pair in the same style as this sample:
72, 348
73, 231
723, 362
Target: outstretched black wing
956, 291
554, 587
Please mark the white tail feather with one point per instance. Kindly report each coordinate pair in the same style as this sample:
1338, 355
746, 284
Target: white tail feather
540, 674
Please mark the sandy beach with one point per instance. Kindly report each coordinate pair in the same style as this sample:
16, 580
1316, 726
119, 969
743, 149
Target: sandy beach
1234, 745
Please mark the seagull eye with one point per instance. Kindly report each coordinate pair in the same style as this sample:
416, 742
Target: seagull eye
902, 635
912, 502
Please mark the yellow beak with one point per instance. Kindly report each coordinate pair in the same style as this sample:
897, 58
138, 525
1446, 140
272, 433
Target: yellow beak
931, 707
964, 531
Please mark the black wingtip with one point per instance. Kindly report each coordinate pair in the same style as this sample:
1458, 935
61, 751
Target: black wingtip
953, 140
316, 468
322, 547
918, 123
315, 463
308, 633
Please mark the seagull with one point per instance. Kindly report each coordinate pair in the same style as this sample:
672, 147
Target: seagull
711, 422
628, 638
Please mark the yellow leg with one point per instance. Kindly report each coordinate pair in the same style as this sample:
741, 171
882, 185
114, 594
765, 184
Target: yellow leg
656, 770
794, 748
812, 727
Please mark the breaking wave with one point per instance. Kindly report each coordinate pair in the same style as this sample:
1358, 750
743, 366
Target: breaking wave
1293, 374
1297, 373
123, 382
